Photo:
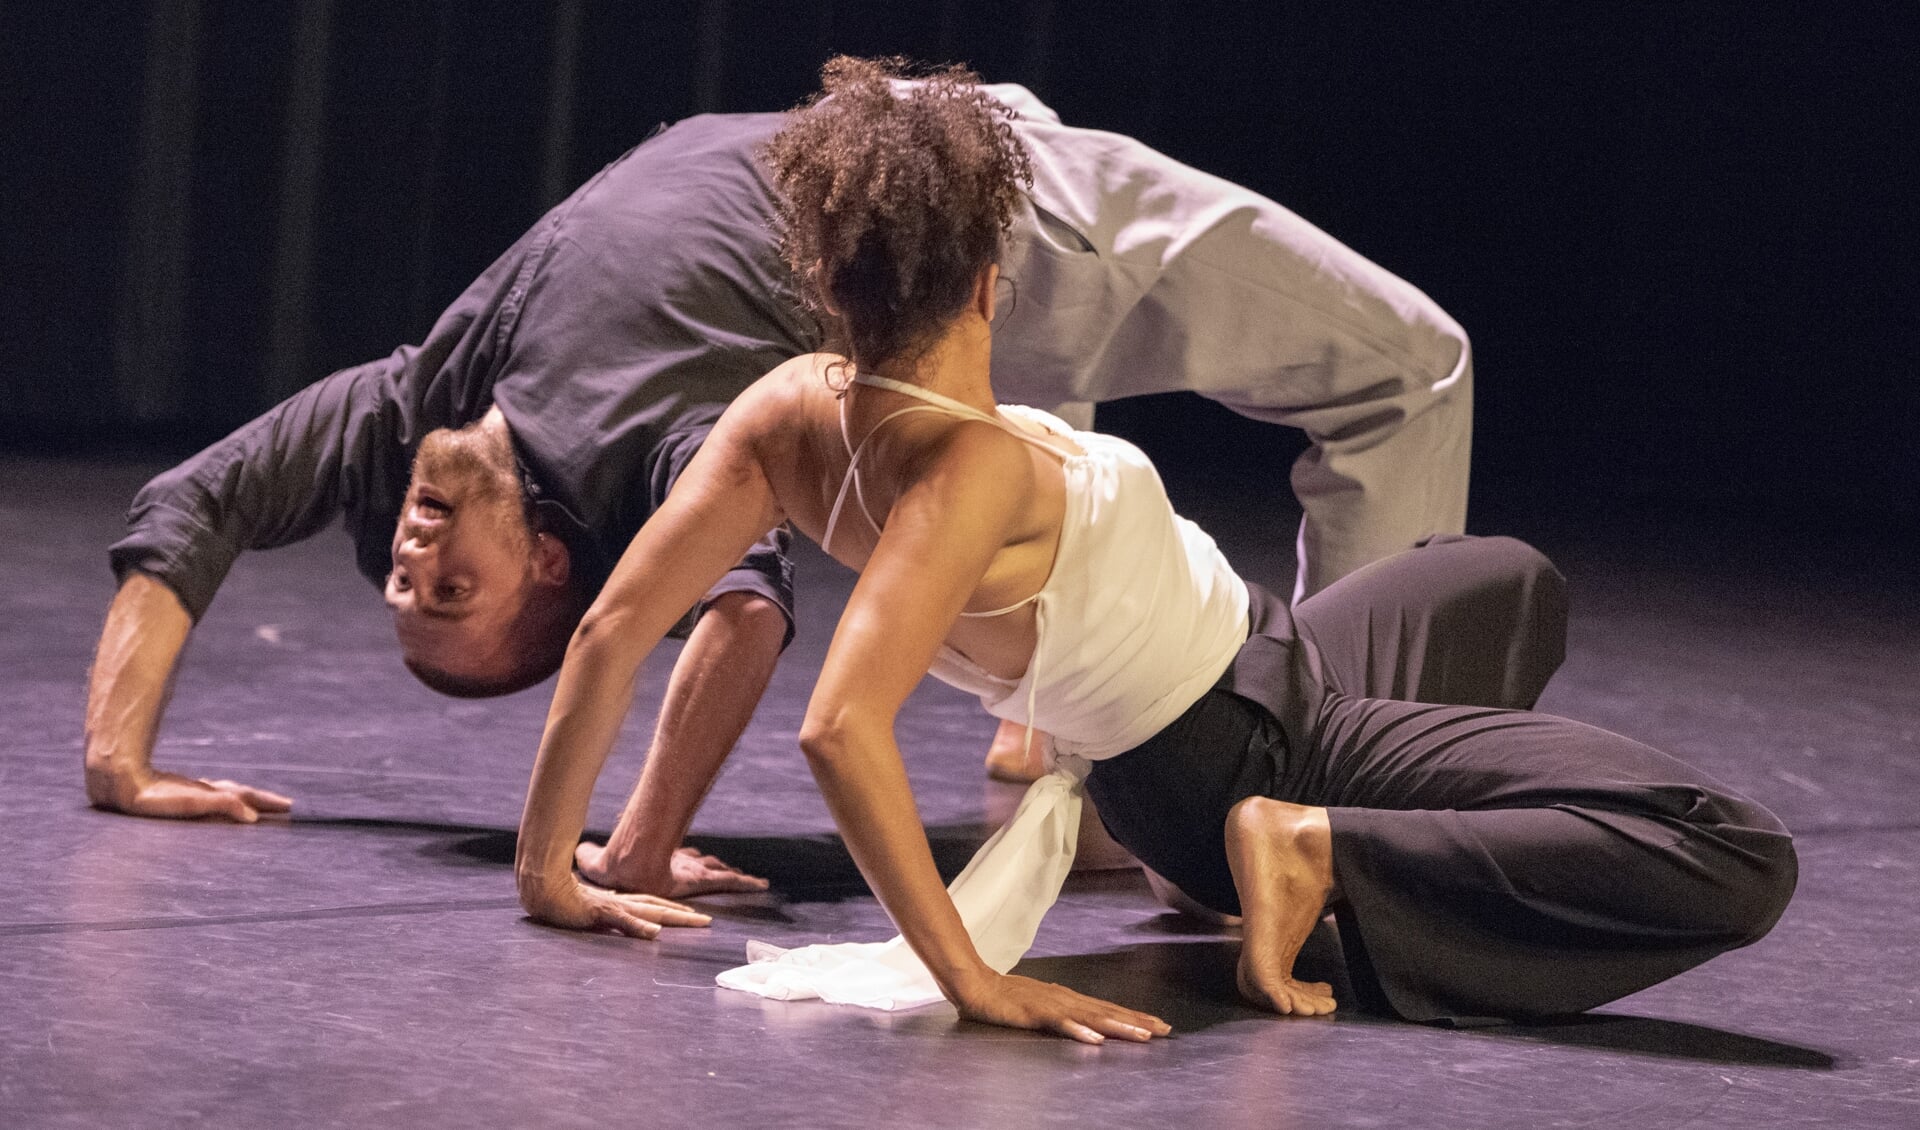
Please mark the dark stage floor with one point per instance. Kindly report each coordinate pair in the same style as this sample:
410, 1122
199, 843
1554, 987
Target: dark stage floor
366, 962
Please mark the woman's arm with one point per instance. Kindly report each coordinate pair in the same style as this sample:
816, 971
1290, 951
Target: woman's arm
940, 536
721, 505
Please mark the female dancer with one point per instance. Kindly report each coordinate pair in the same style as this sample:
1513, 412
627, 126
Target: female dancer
1483, 861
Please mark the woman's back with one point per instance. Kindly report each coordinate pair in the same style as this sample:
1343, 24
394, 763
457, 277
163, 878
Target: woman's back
1102, 614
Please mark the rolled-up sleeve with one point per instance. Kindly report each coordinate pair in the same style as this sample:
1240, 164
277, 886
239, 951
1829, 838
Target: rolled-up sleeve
766, 570
276, 480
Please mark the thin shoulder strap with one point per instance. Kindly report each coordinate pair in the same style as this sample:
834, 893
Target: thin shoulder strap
931, 402
953, 406
853, 469
872, 380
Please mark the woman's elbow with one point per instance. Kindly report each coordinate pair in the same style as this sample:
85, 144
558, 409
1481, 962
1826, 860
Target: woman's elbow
823, 741
830, 738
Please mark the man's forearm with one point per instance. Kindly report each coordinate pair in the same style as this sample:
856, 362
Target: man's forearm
716, 684
140, 646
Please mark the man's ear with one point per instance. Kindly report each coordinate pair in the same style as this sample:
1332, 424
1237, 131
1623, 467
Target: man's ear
983, 288
552, 562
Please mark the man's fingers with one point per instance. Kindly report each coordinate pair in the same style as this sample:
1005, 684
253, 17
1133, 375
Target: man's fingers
264, 801
257, 800
227, 802
723, 883
588, 858
181, 799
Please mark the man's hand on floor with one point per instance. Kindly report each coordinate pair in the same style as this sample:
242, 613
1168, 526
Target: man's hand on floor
690, 873
171, 796
574, 905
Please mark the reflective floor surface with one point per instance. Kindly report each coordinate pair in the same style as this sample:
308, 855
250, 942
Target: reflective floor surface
365, 962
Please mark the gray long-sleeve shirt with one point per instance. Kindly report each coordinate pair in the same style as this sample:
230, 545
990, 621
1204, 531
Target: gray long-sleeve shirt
615, 332
611, 336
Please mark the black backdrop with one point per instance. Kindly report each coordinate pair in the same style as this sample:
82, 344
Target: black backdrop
1679, 234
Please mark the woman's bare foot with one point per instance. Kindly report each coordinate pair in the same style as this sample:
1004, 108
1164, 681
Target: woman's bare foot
1010, 759
1174, 898
1281, 856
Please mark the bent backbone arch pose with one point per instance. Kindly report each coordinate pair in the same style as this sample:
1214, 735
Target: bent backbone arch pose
1484, 861
490, 476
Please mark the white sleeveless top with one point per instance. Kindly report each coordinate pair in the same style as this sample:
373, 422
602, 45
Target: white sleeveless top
1140, 615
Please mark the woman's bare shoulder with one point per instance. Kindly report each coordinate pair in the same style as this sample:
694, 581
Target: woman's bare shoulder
786, 413
798, 384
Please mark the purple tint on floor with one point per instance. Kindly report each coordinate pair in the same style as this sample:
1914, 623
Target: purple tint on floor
365, 963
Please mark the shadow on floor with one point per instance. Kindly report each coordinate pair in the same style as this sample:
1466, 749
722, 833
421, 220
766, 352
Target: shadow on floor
814, 868
1187, 981
1665, 1039
1190, 984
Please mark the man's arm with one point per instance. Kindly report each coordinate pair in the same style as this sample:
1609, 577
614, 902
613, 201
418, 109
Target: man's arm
276, 480
716, 684
140, 648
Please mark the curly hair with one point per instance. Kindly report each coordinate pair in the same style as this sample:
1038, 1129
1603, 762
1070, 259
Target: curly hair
894, 196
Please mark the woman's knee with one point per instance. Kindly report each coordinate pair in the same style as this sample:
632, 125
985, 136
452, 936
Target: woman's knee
1748, 892
1768, 889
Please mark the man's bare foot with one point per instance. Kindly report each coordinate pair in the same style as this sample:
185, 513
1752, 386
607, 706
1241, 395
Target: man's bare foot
1010, 759
1281, 856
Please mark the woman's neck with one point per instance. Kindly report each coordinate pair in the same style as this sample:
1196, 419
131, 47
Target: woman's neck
958, 365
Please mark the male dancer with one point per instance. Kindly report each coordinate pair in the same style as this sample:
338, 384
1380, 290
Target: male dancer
490, 475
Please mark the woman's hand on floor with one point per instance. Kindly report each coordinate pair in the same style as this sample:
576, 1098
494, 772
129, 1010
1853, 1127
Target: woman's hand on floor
575, 905
1022, 1002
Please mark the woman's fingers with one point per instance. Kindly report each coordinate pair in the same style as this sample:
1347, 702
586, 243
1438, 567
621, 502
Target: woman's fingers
1123, 1029
1089, 1020
664, 904
663, 911
625, 922
1118, 1020
1126, 1024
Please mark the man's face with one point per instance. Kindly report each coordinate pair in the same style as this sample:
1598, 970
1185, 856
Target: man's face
462, 553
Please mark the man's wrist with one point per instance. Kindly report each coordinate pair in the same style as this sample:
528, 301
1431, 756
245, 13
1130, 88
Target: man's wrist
112, 784
633, 862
